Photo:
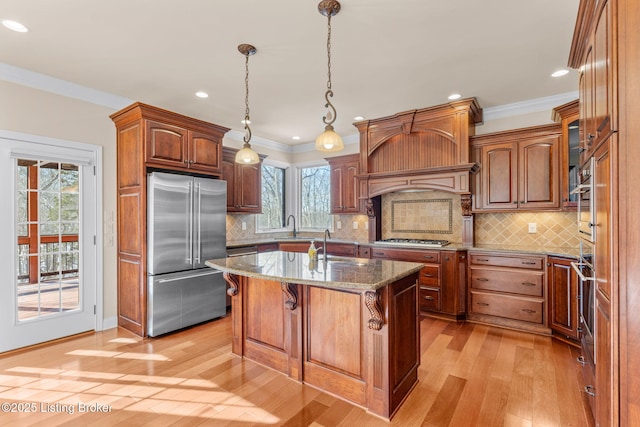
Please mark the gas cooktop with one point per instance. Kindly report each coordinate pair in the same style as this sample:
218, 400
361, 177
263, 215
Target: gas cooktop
419, 242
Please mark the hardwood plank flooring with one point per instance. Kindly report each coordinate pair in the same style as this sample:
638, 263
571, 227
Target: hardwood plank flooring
470, 375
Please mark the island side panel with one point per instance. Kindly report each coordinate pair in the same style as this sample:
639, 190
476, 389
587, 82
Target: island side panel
404, 339
265, 336
333, 353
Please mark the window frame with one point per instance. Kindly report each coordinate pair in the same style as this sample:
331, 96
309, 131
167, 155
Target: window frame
298, 195
287, 200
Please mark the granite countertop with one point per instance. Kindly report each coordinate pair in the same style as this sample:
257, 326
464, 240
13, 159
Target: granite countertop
562, 251
336, 273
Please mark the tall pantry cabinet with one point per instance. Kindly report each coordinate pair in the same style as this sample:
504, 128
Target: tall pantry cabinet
151, 138
606, 51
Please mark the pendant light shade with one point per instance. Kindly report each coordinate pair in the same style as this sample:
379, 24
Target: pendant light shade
329, 140
246, 155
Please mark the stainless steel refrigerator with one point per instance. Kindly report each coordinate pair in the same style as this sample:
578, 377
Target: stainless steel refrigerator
186, 225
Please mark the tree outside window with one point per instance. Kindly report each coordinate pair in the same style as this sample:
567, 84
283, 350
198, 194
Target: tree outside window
273, 198
315, 198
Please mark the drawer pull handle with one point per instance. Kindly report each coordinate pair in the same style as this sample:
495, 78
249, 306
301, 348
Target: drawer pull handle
528, 310
528, 284
482, 279
428, 256
483, 259
427, 275
581, 360
528, 263
483, 304
378, 253
590, 390
429, 298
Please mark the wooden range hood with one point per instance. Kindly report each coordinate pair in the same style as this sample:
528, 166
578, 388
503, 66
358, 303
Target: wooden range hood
426, 149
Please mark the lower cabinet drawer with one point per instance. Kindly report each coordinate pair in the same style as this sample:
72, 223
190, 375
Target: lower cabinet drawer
429, 276
515, 282
508, 306
429, 299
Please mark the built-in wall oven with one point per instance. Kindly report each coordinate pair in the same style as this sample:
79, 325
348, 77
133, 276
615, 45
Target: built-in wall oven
587, 277
586, 208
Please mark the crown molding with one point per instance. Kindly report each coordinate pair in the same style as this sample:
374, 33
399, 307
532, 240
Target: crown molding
526, 107
65, 88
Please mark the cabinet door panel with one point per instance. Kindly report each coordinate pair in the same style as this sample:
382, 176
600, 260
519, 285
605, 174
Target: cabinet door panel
205, 152
249, 196
539, 180
563, 294
166, 144
602, 96
499, 177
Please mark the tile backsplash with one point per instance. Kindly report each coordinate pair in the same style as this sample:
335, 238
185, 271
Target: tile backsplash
422, 215
425, 215
346, 232
554, 229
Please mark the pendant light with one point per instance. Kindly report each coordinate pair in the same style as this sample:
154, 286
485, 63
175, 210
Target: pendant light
246, 155
329, 140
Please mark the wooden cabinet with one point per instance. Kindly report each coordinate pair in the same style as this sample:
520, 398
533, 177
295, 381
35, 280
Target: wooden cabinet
302, 247
508, 290
344, 184
244, 183
268, 247
442, 279
596, 82
174, 147
519, 169
149, 137
568, 117
563, 298
364, 251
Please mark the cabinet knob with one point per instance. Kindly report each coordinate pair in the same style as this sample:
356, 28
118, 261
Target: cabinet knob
186, 161
581, 360
190, 162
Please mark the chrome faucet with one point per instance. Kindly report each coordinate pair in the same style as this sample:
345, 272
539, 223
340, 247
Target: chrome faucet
294, 224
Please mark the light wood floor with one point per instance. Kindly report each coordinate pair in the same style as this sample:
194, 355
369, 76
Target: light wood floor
470, 375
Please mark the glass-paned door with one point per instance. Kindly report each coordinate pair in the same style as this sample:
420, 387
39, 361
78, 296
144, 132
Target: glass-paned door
49, 258
48, 215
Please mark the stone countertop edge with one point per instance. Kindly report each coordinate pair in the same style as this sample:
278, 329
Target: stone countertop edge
560, 251
220, 264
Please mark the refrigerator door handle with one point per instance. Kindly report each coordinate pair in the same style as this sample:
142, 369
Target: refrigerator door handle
209, 273
190, 239
198, 243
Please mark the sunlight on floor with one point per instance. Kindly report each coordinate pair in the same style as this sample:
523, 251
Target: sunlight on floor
119, 355
181, 397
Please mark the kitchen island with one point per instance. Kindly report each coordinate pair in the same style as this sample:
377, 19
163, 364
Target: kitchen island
347, 326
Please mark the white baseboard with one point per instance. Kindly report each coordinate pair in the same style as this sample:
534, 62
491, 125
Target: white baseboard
109, 323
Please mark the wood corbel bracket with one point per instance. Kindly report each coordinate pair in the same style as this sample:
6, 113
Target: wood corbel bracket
372, 301
291, 292
233, 282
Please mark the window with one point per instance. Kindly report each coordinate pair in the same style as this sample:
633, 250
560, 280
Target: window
314, 198
273, 199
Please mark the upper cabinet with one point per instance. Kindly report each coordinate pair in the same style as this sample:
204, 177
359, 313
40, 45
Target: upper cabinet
598, 99
519, 170
172, 141
244, 183
568, 117
344, 184
175, 147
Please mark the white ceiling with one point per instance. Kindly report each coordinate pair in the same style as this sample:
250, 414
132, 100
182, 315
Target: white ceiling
387, 56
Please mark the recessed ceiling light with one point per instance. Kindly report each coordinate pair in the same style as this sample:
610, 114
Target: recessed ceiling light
297, 138
560, 73
358, 118
15, 26
245, 122
454, 96
201, 94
